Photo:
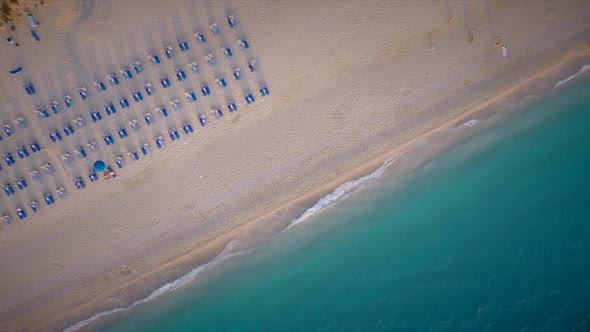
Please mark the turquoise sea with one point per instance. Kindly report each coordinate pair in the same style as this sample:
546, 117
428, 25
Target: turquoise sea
492, 235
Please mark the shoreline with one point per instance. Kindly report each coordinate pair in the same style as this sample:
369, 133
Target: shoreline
205, 254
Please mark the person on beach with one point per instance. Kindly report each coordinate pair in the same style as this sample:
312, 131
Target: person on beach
11, 41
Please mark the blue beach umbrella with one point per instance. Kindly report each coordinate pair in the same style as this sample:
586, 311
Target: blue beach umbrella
99, 166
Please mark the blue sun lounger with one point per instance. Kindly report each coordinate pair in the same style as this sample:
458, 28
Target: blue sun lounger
183, 45
48, 198
205, 90
231, 106
8, 159
154, 58
8, 130
8, 189
34, 146
221, 82
169, 52
191, 96
21, 183
137, 67
243, 43
79, 183
122, 132
95, 115
21, 213
83, 92
162, 110
42, 113
68, 129
35, 207
99, 85
203, 120
199, 37
227, 52
108, 139
264, 90
249, 98
187, 128
137, 96
123, 102
148, 118
22, 152
180, 74
252, 65
149, 89
126, 72
159, 142
109, 108
237, 73
119, 161
164, 81
29, 88
81, 152
54, 106
173, 134
217, 113
68, 100
231, 21
133, 155
92, 176
112, 77
52, 136
145, 148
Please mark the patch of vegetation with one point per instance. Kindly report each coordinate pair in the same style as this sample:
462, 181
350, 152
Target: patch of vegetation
14, 2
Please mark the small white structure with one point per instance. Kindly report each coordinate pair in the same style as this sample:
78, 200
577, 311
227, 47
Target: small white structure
505, 51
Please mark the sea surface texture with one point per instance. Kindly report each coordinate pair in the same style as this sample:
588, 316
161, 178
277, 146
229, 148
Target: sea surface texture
493, 235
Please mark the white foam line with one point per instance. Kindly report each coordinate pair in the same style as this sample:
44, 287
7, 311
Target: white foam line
582, 70
173, 285
343, 191
469, 123
337, 195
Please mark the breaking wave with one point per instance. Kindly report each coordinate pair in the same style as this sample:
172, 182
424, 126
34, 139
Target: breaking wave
582, 70
343, 191
329, 200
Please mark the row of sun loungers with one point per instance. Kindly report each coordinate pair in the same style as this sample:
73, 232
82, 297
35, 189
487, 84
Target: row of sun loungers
137, 96
112, 79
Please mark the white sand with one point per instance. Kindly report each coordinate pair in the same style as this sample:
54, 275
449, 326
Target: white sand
349, 82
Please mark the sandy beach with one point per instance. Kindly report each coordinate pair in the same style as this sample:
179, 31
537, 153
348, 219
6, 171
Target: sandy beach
351, 85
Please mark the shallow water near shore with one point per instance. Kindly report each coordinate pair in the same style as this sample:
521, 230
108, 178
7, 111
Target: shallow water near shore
491, 235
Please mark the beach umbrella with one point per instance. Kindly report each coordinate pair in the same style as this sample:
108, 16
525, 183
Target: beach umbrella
99, 166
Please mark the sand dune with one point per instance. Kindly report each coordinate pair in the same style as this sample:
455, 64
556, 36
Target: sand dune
349, 83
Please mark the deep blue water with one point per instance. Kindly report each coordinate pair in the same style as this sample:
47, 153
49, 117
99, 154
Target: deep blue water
493, 235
